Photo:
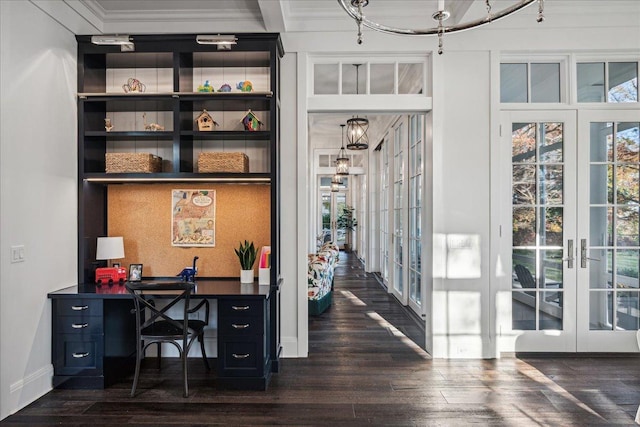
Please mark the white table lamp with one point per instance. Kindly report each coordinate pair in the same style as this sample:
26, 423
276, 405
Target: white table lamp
110, 248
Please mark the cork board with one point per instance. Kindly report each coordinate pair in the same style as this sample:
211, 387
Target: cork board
142, 215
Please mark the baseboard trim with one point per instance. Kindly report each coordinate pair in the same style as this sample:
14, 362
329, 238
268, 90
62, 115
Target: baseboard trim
30, 388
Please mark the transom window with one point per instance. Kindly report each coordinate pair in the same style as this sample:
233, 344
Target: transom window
610, 82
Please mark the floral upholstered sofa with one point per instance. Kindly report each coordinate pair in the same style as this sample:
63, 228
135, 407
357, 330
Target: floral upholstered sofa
320, 277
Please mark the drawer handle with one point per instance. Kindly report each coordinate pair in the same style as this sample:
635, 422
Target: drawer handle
79, 325
240, 356
240, 307
79, 307
236, 326
80, 355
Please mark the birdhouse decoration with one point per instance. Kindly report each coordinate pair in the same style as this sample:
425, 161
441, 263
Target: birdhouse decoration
205, 122
251, 122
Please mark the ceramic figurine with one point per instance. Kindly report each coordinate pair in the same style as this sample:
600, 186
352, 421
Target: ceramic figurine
225, 88
134, 85
151, 127
245, 86
206, 87
107, 124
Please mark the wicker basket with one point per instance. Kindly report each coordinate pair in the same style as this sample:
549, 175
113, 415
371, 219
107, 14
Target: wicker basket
133, 163
223, 162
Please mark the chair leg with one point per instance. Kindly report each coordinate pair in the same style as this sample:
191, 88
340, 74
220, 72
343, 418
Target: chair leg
159, 354
204, 354
136, 376
184, 373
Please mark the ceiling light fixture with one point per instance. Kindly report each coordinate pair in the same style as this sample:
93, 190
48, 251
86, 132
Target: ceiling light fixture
336, 182
357, 138
342, 162
354, 10
224, 42
124, 41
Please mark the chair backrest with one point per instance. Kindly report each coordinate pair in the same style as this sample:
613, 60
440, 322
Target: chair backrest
524, 276
144, 295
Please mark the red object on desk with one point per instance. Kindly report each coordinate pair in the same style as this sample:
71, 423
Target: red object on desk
111, 275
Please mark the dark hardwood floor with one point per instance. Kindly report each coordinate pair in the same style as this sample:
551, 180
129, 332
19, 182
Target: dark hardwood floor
363, 369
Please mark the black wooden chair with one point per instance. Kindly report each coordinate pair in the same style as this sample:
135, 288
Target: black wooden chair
527, 281
155, 326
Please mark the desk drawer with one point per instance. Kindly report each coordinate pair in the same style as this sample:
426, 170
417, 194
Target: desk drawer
90, 325
241, 325
241, 357
78, 355
241, 307
78, 306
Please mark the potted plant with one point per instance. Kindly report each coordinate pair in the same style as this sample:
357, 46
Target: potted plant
247, 256
347, 222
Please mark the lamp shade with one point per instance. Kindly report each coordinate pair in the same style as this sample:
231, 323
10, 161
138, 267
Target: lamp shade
110, 248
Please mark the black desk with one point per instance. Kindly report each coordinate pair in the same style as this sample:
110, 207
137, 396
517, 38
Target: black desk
93, 337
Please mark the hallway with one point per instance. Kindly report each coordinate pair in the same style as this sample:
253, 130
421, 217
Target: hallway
363, 369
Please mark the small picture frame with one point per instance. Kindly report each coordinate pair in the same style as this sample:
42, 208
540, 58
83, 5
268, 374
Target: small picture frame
116, 265
135, 272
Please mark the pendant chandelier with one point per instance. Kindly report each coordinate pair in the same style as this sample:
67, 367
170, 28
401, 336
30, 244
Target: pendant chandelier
355, 11
342, 162
336, 182
357, 138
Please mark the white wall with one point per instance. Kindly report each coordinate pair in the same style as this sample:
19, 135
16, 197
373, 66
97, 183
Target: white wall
38, 189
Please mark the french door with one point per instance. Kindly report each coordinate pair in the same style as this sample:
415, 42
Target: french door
330, 206
542, 211
574, 195
608, 249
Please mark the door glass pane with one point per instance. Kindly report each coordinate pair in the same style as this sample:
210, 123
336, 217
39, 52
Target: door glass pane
591, 82
545, 82
513, 83
551, 179
523, 142
524, 310
627, 307
551, 275
326, 215
623, 82
600, 311
550, 311
538, 223
601, 141
382, 78
600, 221
613, 255
601, 273
524, 184
551, 228
325, 79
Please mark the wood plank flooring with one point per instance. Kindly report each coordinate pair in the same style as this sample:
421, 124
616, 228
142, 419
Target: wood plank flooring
363, 369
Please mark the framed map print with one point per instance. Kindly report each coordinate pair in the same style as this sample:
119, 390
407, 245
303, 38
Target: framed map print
193, 218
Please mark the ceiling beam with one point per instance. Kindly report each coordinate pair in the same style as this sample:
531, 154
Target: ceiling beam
272, 16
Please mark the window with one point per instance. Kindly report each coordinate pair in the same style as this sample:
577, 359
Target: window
611, 82
530, 82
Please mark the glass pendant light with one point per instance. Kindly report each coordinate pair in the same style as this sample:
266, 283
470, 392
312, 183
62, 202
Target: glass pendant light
357, 138
342, 162
336, 182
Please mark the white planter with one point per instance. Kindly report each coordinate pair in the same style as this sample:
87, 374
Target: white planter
246, 276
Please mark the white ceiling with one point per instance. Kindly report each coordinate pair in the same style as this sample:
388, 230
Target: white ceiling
162, 16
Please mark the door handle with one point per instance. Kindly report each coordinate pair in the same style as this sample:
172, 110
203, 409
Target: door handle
583, 254
569, 258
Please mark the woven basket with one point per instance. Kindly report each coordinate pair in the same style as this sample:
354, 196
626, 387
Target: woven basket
223, 162
133, 163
